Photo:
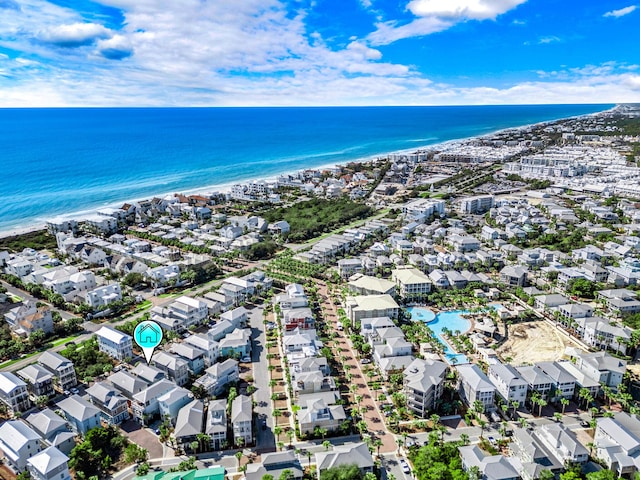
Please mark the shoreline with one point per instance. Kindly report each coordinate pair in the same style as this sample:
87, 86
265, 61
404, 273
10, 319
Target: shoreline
81, 214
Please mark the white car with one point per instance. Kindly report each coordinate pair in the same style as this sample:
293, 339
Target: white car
405, 466
245, 359
74, 390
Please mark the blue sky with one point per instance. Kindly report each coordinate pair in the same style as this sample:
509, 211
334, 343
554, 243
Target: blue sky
317, 52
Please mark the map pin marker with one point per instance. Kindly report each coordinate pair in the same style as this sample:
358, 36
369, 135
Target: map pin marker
148, 335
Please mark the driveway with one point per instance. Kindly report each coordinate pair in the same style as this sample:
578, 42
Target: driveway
143, 437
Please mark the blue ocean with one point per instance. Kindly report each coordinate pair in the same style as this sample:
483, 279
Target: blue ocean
59, 161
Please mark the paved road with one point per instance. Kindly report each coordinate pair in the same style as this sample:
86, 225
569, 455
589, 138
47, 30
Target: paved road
265, 440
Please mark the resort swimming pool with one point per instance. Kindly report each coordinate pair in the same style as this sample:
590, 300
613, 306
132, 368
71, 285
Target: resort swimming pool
436, 322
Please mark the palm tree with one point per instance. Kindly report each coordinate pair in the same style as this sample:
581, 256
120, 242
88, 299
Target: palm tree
482, 424
541, 403
291, 434
377, 443
320, 432
277, 431
326, 444
464, 438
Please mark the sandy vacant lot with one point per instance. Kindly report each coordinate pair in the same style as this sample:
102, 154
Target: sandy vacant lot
533, 342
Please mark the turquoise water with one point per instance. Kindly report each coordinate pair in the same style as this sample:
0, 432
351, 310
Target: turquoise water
436, 322
64, 160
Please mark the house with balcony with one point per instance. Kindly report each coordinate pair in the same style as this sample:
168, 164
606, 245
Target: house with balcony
364, 285
103, 296
114, 408
411, 283
564, 382
53, 429
14, 393
319, 410
216, 423
194, 356
236, 344
218, 377
508, 382
115, 343
514, 275
170, 403
49, 464
189, 423
371, 306
144, 405
39, 381
242, 420
602, 367
18, 442
62, 369
174, 367
347, 454
617, 443
81, 415
537, 380
28, 317
127, 384
205, 344
423, 385
475, 386
490, 467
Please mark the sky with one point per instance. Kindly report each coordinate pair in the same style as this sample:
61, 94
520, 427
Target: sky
317, 52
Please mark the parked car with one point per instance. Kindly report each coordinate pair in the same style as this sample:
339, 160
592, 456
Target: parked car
339, 326
584, 424
245, 359
74, 390
364, 361
405, 466
492, 441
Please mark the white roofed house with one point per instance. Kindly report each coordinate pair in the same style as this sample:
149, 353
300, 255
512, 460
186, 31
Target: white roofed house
347, 454
194, 356
103, 296
189, 423
238, 317
127, 384
475, 386
144, 405
508, 382
371, 306
49, 464
602, 334
163, 275
491, 467
297, 318
412, 284
617, 443
170, 403
18, 442
14, 393
113, 406
61, 367
515, 276
39, 381
536, 379
424, 384
319, 410
114, 343
216, 423
236, 343
218, 376
174, 367
604, 368
565, 383
275, 464
349, 266
27, 318
242, 420
53, 429
368, 285
189, 311
82, 415
204, 343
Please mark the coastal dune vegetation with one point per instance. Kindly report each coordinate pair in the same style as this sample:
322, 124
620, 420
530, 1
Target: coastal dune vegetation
311, 218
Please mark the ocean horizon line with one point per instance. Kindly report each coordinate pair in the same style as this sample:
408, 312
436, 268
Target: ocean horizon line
290, 161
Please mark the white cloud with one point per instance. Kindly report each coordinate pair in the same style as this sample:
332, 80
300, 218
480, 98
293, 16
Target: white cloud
621, 12
438, 15
115, 48
549, 39
462, 9
75, 34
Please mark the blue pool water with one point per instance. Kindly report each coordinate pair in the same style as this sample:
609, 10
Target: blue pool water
451, 320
